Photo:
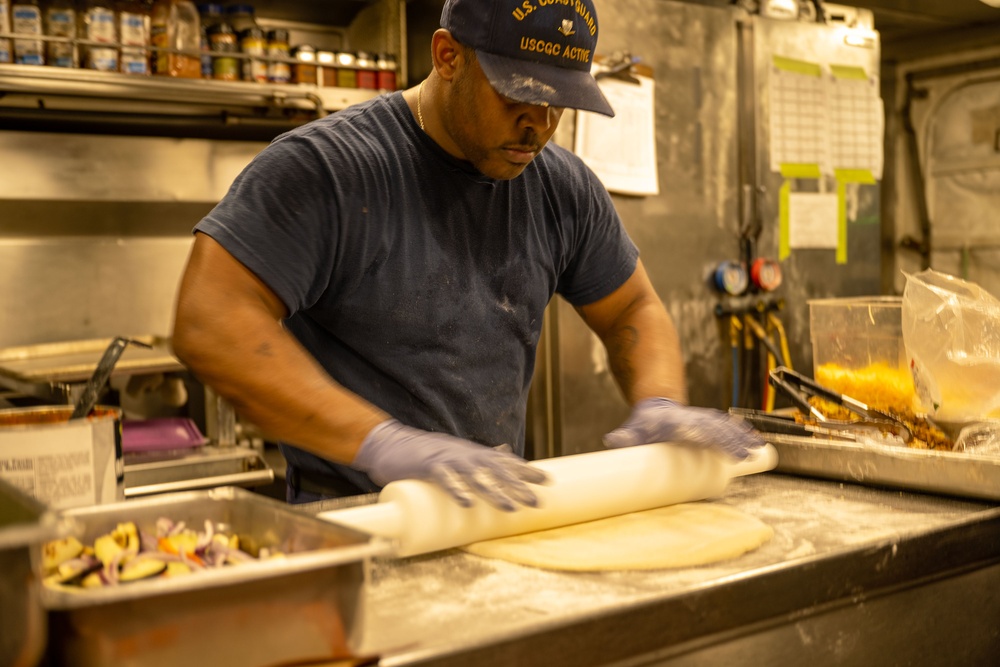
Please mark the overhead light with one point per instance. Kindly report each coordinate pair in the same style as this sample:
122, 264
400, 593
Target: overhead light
991, 3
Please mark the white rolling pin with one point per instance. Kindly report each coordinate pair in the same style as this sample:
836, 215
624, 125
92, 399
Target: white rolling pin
419, 517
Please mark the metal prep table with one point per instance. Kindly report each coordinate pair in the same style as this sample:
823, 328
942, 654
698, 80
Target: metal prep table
853, 576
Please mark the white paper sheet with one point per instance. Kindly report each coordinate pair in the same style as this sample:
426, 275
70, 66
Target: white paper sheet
856, 124
812, 220
622, 150
798, 118
828, 115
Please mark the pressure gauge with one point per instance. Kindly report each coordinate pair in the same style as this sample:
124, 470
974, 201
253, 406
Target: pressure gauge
731, 278
765, 274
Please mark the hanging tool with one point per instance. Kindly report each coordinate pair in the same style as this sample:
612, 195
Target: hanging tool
92, 389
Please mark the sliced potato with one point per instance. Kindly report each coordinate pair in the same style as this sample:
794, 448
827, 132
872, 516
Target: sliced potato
177, 570
57, 552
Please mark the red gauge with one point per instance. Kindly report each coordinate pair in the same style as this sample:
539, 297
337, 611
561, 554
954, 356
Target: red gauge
765, 274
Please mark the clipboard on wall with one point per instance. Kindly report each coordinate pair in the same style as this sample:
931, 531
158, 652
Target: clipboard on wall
621, 150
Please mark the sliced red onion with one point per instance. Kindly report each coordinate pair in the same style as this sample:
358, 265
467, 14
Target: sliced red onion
163, 526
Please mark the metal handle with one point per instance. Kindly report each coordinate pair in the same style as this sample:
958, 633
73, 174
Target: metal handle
101, 374
252, 478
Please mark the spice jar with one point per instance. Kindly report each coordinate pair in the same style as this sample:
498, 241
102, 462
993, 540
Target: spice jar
210, 15
252, 43
278, 70
367, 75
327, 61
222, 38
304, 70
347, 76
386, 64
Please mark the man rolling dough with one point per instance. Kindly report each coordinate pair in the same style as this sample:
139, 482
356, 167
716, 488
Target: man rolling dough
370, 291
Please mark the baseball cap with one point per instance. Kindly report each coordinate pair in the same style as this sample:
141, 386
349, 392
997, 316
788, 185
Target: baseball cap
533, 51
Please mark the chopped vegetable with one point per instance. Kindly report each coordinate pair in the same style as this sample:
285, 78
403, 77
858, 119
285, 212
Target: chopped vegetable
128, 554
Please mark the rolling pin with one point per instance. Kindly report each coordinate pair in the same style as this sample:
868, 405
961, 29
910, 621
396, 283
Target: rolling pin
419, 517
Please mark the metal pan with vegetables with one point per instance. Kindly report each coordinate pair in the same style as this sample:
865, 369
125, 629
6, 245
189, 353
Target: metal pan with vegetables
217, 576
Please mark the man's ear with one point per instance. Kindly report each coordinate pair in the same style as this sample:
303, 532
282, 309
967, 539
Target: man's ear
446, 52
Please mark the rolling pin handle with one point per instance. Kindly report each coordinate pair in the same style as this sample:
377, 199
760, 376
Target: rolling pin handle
760, 459
382, 519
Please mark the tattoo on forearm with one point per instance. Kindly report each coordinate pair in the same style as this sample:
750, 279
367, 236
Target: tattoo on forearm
623, 343
264, 349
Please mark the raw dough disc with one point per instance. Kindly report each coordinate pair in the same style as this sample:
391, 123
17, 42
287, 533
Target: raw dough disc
674, 536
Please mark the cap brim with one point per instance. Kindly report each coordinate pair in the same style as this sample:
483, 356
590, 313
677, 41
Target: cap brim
535, 83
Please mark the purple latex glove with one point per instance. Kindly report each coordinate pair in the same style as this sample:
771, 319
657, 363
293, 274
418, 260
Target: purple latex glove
394, 451
664, 420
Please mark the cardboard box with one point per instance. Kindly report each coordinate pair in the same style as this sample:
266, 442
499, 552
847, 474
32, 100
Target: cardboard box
61, 462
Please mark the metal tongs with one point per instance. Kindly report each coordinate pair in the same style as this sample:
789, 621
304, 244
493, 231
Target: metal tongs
799, 388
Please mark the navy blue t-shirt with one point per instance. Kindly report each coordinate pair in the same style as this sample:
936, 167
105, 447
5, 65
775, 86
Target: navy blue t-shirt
416, 281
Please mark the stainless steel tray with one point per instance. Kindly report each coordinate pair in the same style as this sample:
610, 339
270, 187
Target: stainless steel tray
75, 361
205, 467
25, 524
304, 607
950, 473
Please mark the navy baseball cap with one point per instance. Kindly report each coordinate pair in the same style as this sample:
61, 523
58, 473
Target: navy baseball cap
533, 51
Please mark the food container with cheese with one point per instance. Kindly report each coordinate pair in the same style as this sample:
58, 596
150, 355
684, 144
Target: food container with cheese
858, 350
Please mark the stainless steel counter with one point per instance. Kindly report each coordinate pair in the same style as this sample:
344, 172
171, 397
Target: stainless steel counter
853, 575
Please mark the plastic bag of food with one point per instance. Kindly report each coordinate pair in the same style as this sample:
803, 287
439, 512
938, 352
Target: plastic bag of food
951, 333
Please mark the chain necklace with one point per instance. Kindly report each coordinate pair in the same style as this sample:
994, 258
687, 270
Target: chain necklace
420, 113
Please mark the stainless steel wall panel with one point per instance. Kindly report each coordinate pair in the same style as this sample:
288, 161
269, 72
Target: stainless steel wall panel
52, 167
76, 288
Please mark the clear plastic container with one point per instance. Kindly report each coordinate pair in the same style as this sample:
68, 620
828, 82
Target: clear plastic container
858, 350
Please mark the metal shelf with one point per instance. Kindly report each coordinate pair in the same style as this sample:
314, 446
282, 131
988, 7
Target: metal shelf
35, 81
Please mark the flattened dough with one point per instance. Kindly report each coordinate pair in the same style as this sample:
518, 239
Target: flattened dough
683, 535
